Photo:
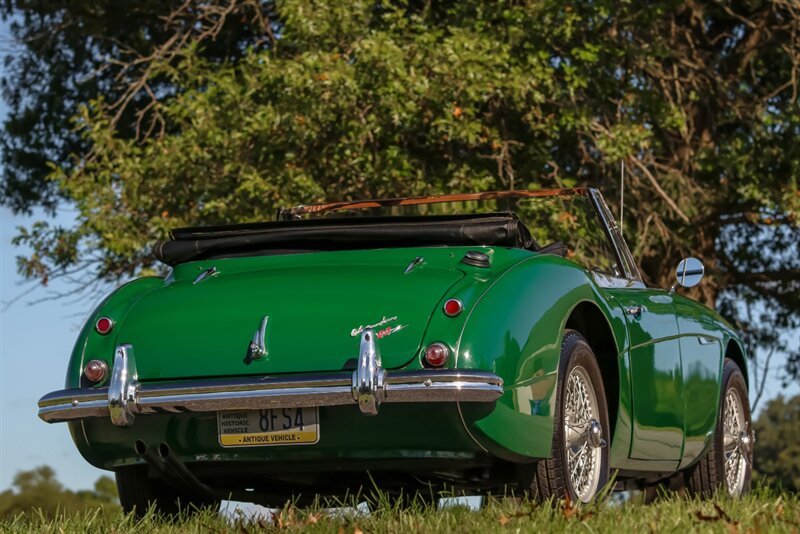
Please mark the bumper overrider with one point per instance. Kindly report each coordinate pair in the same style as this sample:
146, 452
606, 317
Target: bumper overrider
368, 386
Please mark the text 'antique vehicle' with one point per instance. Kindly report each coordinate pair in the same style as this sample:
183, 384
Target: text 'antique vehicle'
476, 342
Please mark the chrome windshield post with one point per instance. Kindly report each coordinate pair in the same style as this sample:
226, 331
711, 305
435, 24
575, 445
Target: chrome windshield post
123, 386
369, 378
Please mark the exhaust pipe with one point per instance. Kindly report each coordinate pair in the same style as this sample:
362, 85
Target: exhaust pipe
152, 459
173, 471
179, 469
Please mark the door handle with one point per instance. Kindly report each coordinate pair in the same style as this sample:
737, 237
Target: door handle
634, 311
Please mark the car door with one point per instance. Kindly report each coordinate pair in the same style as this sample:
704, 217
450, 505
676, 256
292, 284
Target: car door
701, 363
656, 373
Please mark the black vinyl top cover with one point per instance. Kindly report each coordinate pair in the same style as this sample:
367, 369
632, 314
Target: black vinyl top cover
354, 233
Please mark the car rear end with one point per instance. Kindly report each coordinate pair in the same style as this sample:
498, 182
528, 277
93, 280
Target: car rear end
300, 371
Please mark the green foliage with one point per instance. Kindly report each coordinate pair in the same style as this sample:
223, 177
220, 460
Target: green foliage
38, 492
345, 100
57, 64
777, 450
763, 511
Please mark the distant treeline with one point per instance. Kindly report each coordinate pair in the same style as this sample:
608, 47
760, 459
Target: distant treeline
39, 489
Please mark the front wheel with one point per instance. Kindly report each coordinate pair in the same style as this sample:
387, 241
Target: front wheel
728, 462
578, 465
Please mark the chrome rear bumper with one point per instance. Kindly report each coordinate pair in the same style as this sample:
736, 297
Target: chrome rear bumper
368, 386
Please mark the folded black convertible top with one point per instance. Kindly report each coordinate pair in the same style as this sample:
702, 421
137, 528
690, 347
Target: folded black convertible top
351, 233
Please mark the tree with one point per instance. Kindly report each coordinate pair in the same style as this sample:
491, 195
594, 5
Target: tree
68, 53
698, 100
777, 447
39, 489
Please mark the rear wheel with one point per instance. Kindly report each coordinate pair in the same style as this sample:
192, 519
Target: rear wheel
728, 463
578, 465
138, 492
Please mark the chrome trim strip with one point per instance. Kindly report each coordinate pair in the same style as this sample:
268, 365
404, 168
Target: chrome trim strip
259, 392
208, 273
620, 247
416, 261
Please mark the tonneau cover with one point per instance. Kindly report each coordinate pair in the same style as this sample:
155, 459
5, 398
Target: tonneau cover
343, 233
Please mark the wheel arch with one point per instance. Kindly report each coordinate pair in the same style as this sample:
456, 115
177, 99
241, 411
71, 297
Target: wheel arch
587, 319
735, 352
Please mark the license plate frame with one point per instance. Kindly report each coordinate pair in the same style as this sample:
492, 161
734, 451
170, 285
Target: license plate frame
284, 426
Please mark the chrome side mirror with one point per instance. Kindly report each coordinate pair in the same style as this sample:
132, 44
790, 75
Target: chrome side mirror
689, 273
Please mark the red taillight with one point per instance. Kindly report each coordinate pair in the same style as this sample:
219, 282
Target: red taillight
453, 307
95, 371
104, 325
436, 354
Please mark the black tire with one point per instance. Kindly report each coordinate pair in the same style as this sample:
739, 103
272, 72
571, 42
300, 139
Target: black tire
708, 475
138, 492
550, 479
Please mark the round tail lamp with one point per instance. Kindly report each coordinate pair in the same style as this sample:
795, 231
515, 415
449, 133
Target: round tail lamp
104, 325
436, 354
95, 371
453, 307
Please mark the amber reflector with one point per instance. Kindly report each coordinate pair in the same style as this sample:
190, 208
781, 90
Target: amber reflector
95, 371
436, 354
104, 325
453, 307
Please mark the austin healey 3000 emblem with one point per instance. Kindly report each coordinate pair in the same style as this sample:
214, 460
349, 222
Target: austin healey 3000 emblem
383, 332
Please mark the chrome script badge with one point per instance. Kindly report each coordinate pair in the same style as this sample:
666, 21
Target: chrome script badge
379, 333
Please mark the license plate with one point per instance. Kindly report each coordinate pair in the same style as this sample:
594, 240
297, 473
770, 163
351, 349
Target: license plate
276, 426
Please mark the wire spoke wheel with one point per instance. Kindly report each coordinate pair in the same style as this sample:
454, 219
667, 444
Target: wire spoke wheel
736, 440
728, 460
577, 468
581, 425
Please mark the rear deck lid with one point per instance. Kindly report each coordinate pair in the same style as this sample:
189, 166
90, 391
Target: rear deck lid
316, 305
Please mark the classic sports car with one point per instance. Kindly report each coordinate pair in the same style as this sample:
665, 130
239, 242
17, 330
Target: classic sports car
479, 342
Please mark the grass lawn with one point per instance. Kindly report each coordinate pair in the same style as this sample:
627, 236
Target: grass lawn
761, 511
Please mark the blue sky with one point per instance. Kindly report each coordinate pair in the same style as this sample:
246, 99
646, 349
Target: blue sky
35, 343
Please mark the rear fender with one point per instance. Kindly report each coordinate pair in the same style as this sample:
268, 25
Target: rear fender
91, 345
515, 331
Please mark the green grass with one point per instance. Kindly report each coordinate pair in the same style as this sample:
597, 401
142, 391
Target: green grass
761, 511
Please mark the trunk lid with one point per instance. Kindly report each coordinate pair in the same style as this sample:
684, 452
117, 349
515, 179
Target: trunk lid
315, 303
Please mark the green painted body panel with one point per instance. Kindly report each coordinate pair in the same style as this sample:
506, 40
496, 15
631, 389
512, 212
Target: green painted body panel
90, 345
188, 330
656, 374
182, 330
515, 330
674, 379
702, 371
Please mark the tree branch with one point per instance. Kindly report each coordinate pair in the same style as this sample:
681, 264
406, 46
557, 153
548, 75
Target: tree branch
652, 179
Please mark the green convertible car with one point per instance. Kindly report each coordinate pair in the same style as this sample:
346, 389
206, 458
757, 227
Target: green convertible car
484, 342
